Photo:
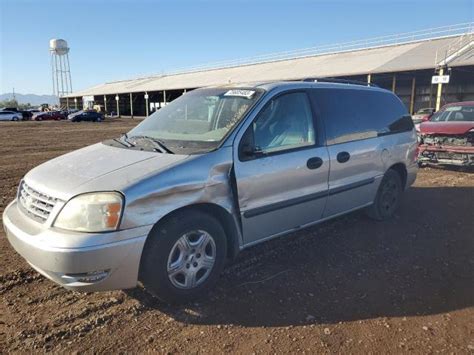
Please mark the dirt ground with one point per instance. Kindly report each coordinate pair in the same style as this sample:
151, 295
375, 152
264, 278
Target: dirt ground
350, 285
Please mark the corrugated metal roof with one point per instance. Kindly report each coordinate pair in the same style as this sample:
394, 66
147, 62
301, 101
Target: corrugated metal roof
391, 58
466, 58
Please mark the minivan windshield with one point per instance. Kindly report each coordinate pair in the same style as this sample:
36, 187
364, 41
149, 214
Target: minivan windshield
454, 113
197, 121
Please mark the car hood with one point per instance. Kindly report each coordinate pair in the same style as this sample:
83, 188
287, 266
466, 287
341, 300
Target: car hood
446, 127
98, 167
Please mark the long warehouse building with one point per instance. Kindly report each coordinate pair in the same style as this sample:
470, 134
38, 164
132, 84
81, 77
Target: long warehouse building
404, 64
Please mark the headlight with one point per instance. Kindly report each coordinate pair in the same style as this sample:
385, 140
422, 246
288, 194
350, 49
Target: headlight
92, 212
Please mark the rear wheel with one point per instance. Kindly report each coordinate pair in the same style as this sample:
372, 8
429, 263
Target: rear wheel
15, 118
183, 257
388, 197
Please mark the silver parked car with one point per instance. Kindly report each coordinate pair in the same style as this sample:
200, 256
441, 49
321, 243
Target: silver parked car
215, 171
10, 116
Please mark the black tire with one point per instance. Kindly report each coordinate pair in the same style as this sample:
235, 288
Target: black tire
388, 197
15, 118
158, 248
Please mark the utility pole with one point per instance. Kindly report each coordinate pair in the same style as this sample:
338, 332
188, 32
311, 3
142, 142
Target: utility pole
439, 91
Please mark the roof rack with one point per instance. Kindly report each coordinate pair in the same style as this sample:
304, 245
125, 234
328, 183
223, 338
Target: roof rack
340, 81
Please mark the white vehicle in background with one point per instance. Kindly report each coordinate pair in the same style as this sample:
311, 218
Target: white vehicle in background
10, 116
35, 112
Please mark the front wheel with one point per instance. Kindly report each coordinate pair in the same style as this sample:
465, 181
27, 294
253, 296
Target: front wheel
183, 257
388, 197
15, 119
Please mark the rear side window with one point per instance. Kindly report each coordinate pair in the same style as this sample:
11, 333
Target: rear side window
351, 114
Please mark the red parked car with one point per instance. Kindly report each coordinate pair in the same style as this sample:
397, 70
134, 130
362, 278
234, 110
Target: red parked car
448, 137
422, 115
51, 115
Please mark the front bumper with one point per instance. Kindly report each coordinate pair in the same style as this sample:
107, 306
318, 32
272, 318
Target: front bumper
446, 155
97, 262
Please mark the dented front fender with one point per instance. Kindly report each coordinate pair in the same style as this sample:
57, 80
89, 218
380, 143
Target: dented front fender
196, 180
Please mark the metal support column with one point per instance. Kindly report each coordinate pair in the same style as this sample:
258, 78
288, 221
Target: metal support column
53, 71
69, 72
369, 78
412, 97
394, 82
56, 74
67, 103
431, 96
118, 107
439, 92
131, 105
62, 71
105, 104
146, 104
164, 97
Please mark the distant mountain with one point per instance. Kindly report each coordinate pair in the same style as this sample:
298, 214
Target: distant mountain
33, 99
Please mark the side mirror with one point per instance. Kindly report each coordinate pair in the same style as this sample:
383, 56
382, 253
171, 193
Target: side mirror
247, 150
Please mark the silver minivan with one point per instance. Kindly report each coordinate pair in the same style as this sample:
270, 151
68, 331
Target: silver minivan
216, 171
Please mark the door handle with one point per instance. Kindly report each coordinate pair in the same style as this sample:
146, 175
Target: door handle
342, 157
314, 163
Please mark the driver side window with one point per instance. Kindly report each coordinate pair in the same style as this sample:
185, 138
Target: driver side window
286, 122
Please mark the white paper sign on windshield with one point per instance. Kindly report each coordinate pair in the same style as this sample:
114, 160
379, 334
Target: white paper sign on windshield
240, 93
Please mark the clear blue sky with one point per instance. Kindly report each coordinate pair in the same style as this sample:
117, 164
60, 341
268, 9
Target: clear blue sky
119, 39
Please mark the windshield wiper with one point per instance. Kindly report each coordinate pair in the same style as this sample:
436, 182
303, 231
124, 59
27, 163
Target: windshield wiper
123, 142
159, 145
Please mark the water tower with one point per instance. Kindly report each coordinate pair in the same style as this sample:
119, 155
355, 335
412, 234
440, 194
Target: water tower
61, 73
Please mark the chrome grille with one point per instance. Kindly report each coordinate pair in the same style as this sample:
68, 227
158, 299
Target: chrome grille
35, 204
